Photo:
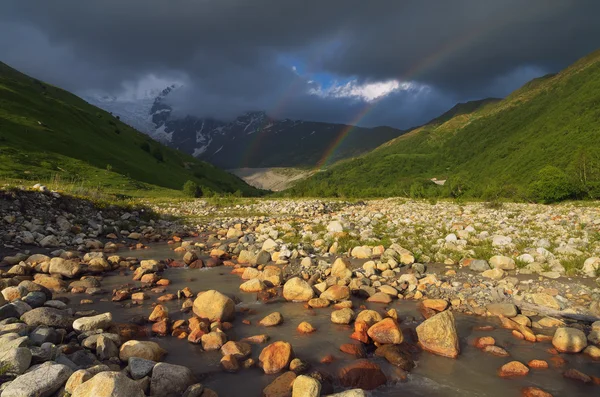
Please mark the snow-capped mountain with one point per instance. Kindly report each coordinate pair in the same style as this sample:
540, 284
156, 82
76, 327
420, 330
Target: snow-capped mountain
251, 140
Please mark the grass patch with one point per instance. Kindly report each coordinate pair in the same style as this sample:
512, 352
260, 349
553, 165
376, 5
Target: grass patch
573, 264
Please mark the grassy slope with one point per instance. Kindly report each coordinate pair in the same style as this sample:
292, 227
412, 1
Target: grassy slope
543, 123
79, 142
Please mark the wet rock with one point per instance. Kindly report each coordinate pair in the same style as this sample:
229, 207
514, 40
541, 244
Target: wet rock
272, 320
539, 364
305, 386
502, 309
109, 384
380, 297
355, 349
484, 341
229, 363
513, 369
239, 350
47, 316
438, 335
534, 392
281, 386
170, 380
336, 293
396, 356
197, 390
41, 381
101, 321
385, 331
140, 367
363, 374
254, 285
141, 349
275, 357
577, 375
214, 306
369, 317
438, 305
213, 340
569, 340
305, 328
593, 352
159, 313
296, 289
342, 316
318, 303
349, 393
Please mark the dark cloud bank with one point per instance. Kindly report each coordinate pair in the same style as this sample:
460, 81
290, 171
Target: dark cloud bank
233, 55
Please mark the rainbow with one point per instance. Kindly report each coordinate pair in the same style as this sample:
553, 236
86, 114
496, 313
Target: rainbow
418, 68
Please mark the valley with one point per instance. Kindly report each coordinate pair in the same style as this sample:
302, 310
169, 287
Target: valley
247, 200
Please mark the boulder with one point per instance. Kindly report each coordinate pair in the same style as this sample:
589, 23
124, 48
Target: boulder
362, 252
336, 293
214, 306
569, 340
591, 266
305, 386
101, 321
502, 262
42, 381
396, 356
369, 317
341, 269
479, 265
296, 289
170, 380
253, 285
438, 335
385, 331
47, 316
140, 367
239, 350
65, 268
335, 227
342, 316
512, 369
109, 384
15, 360
275, 357
272, 320
363, 374
502, 309
142, 349
281, 386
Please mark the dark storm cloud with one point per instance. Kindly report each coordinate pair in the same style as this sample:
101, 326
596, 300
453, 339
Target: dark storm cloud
230, 51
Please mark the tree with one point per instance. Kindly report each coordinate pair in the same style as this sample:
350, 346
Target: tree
191, 189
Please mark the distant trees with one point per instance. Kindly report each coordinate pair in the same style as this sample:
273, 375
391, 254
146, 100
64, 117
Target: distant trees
191, 189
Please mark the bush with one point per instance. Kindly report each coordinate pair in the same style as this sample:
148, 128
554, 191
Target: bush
145, 146
191, 189
157, 153
551, 186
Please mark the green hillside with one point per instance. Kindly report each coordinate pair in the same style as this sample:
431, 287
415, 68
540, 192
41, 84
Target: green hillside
47, 133
542, 143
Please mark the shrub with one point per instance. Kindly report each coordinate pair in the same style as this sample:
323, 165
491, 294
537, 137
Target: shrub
145, 146
552, 185
191, 189
157, 153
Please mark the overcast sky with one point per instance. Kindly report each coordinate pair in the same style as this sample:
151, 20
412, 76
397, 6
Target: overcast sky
375, 62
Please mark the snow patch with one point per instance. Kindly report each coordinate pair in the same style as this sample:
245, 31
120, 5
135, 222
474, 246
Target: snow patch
218, 150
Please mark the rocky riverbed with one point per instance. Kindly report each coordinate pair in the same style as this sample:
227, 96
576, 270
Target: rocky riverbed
297, 298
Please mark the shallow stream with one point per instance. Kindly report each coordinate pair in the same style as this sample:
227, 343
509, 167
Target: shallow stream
474, 373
